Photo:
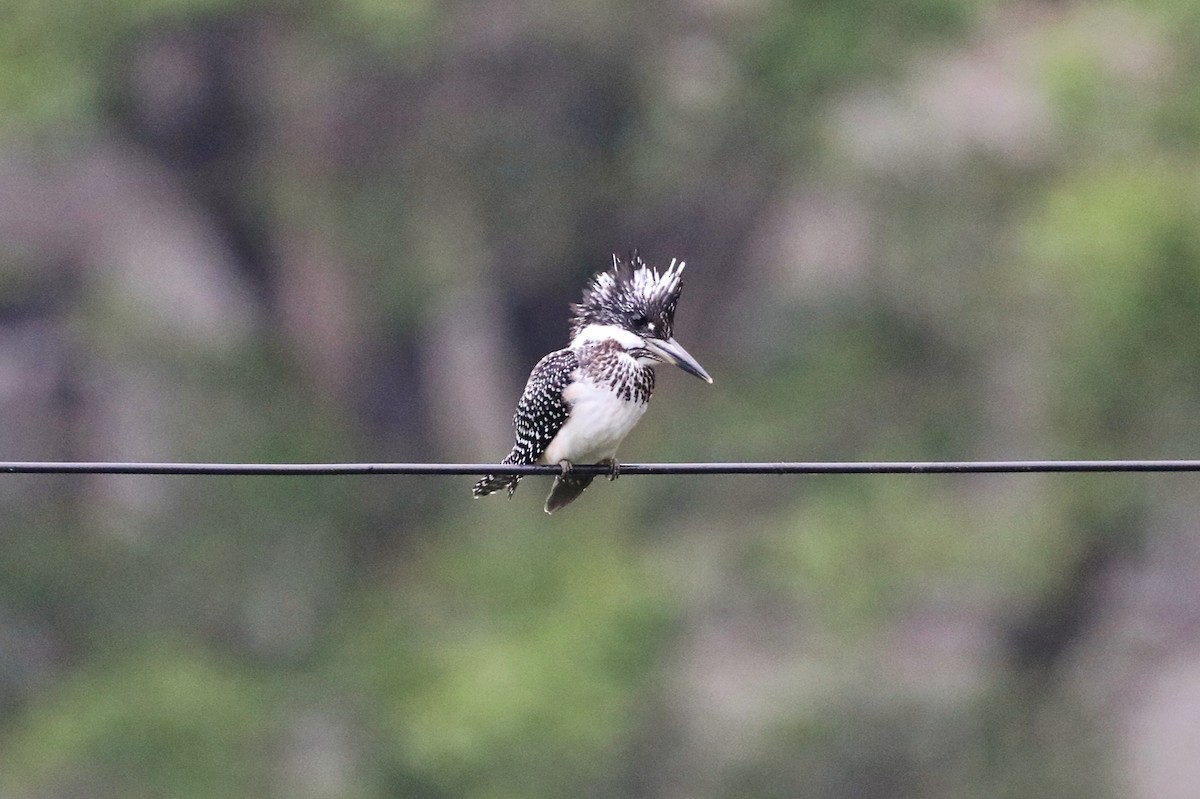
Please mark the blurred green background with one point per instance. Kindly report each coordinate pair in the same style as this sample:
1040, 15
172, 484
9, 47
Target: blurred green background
344, 231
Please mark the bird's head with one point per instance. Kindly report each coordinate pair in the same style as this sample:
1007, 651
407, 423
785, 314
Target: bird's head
634, 305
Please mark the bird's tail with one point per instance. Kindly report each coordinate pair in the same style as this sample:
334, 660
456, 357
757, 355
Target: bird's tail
491, 483
566, 488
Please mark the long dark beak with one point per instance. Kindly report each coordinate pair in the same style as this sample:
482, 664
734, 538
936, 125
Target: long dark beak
671, 352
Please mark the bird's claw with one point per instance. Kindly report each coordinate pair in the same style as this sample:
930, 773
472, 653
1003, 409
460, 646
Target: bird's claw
614, 468
565, 467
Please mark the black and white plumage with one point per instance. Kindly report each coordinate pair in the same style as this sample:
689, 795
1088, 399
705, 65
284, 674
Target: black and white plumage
580, 402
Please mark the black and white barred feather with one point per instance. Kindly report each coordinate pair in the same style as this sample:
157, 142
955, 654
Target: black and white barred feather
541, 413
631, 295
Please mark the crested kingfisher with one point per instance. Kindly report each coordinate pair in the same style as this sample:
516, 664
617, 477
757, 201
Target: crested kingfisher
581, 401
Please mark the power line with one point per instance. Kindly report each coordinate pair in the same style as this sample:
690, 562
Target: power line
778, 468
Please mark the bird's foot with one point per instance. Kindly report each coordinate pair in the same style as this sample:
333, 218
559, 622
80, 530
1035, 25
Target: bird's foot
614, 468
565, 466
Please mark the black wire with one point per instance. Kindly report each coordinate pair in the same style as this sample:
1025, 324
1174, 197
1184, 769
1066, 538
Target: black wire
854, 467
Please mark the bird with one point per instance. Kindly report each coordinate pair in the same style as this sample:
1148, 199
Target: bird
580, 402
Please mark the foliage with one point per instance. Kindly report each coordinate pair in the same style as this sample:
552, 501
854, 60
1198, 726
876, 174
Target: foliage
156, 720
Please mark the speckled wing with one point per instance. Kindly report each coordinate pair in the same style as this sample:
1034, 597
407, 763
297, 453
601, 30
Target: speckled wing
542, 410
541, 413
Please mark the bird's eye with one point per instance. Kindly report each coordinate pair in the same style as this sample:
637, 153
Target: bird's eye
639, 322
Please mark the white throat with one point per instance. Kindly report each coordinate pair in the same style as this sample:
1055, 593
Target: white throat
625, 338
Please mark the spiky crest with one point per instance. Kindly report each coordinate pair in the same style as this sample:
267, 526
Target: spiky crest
633, 296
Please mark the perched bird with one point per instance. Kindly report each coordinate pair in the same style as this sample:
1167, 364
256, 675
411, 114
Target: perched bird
581, 402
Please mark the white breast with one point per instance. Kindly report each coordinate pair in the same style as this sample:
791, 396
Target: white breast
599, 421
